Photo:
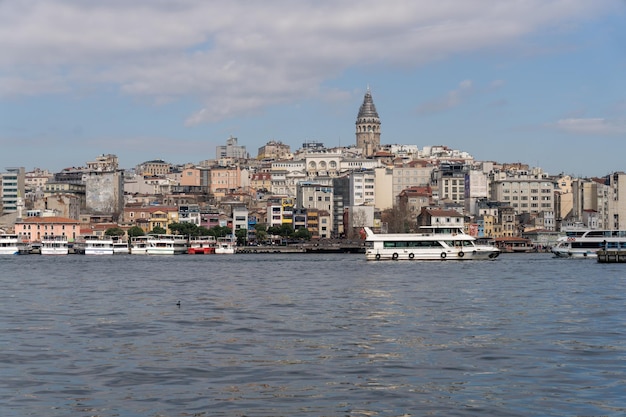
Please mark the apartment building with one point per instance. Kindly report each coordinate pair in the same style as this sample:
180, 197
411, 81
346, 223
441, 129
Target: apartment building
363, 188
411, 174
524, 192
12, 187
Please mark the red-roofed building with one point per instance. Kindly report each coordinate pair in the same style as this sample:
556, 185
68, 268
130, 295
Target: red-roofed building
36, 228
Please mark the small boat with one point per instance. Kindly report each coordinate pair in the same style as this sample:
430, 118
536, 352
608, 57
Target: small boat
585, 243
54, 245
226, 246
12, 244
139, 245
438, 243
167, 245
202, 245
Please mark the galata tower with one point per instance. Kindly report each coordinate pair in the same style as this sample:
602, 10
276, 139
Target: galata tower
368, 126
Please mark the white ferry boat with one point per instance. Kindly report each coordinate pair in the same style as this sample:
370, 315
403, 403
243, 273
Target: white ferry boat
167, 244
54, 245
439, 243
202, 245
120, 247
11, 244
226, 246
139, 245
94, 245
587, 242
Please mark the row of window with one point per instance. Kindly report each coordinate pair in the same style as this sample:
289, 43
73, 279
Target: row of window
45, 227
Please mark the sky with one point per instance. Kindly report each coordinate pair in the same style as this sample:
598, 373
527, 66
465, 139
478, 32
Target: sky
541, 82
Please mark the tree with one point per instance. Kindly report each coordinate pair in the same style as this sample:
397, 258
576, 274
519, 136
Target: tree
285, 230
114, 231
158, 230
220, 231
242, 236
203, 231
397, 220
260, 232
185, 228
302, 233
135, 231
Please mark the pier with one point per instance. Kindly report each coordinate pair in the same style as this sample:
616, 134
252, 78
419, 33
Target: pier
612, 256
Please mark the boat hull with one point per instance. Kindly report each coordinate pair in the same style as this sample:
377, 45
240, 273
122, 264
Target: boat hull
575, 254
201, 251
9, 251
432, 255
54, 251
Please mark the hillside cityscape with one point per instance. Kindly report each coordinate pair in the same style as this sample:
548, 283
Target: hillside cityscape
314, 192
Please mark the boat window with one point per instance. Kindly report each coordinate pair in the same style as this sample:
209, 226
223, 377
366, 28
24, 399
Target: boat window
586, 245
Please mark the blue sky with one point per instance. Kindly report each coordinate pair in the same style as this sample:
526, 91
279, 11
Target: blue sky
541, 82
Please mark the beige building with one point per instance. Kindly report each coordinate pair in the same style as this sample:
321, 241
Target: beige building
224, 179
274, 150
154, 167
411, 174
383, 183
524, 192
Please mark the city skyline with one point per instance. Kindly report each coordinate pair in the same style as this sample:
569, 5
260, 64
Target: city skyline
536, 82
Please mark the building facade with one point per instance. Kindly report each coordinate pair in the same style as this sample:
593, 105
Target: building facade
12, 187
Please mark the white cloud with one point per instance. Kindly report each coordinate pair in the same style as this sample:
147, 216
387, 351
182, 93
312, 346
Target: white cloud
592, 126
237, 57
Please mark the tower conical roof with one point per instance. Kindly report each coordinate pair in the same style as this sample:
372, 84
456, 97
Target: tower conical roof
367, 109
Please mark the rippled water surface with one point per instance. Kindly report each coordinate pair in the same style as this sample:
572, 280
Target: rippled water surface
310, 335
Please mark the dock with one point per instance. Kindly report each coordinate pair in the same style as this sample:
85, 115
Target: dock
611, 256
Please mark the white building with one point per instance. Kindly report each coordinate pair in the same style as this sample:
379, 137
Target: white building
363, 188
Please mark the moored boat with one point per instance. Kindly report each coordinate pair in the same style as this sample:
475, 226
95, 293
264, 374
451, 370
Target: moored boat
54, 245
12, 244
226, 246
438, 243
167, 245
120, 247
202, 245
586, 243
139, 245
94, 245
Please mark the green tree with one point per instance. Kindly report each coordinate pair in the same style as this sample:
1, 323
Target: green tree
135, 231
285, 230
158, 230
203, 231
220, 231
242, 236
302, 233
260, 232
114, 231
185, 228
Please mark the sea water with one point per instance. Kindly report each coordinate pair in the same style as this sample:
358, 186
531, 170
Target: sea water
310, 335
